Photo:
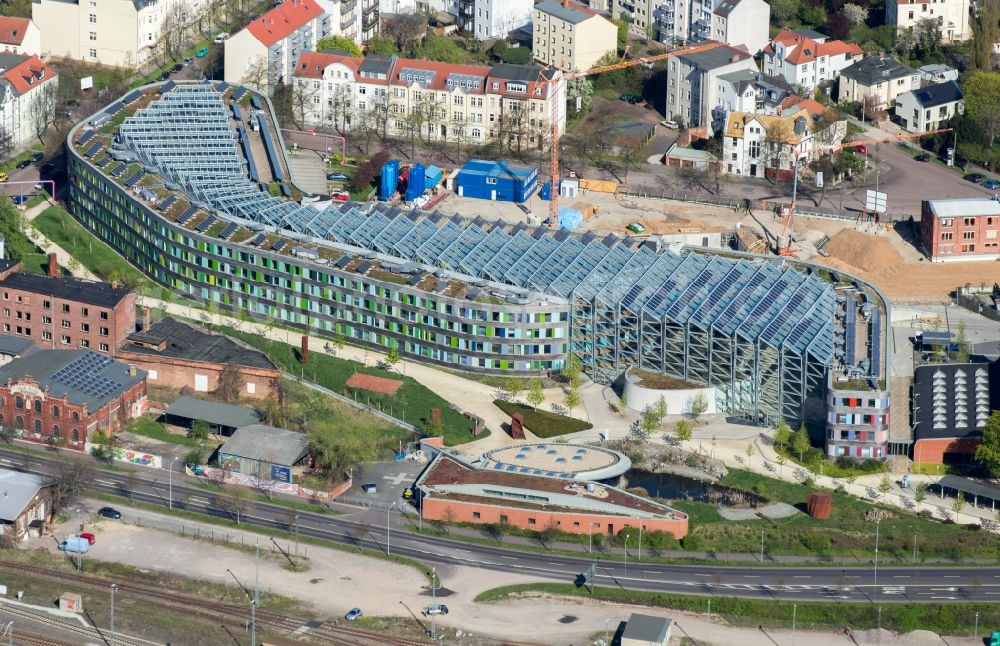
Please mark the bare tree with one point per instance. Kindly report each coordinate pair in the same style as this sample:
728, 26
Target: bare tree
68, 483
304, 101
405, 29
175, 30
235, 500
6, 142
42, 108
256, 74
230, 383
339, 108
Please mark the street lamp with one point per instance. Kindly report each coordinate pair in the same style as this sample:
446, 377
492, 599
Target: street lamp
388, 509
799, 129
625, 575
170, 484
875, 592
111, 640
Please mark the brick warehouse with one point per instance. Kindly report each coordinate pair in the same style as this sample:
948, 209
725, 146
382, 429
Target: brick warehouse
66, 396
64, 313
454, 491
178, 355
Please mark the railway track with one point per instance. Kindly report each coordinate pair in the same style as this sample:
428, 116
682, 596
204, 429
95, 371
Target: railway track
334, 634
45, 620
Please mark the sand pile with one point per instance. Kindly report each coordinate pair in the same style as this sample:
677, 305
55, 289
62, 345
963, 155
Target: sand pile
867, 252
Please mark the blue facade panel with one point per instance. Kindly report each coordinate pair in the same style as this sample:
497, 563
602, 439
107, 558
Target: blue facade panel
489, 180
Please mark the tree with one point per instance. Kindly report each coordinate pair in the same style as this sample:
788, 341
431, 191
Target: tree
392, 357
199, 429
441, 48
405, 30
920, 493
572, 398
572, 369
982, 103
962, 341
68, 483
749, 450
988, 451
699, 405
583, 88
236, 501
983, 21
516, 55
536, 394
339, 44
782, 435
800, 442
230, 383
256, 74
381, 45
12, 227
623, 26
660, 409
958, 503
776, 144
174, 30
855, 13
42, 109
17, 8
783, 10
885, 484
650, 421
514, 385
683, 430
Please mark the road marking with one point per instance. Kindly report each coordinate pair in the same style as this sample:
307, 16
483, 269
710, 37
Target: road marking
699, 574
651, 571
950, 576
800, 576
751, 576
398, 479
512, 558
902, 576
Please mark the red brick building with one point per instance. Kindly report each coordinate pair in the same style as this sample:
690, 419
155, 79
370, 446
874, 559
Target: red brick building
454, 491
178, 355
66, 396
26, 505
65, 313
960, 229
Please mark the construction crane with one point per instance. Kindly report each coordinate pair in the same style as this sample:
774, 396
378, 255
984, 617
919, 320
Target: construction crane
645, 61
786, 229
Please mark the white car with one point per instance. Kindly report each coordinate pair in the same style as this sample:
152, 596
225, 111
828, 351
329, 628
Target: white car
221, 38
670, 123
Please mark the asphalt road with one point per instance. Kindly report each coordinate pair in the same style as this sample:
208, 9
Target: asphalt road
890, 584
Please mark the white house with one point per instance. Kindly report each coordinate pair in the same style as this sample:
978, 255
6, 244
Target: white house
747, 90
27, 85
879, 78
952, 16
929, 107
20, 36
497, 18
740, 23
265, 51
806, 58
767, 146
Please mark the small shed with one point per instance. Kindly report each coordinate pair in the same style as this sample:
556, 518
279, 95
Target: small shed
223, 419
264, 451
646, 630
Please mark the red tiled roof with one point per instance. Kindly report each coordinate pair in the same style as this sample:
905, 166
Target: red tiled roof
279, 23
582, 8
441, 70
812, 106
28, 74
805, 50
313, 64
12, 30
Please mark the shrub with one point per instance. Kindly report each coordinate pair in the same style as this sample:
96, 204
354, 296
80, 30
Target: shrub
199, 430
194, 457
816, 542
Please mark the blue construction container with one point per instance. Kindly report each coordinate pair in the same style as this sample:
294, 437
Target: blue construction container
491, 180
415, 183
389, 181
432, 177
546, 191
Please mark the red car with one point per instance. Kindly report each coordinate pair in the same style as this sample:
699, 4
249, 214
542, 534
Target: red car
90, 538
862, 150
341, 196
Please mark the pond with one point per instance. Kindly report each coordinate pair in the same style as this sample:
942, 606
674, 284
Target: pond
671, 486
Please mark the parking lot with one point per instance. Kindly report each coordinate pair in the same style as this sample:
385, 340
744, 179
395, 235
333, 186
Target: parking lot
390, 480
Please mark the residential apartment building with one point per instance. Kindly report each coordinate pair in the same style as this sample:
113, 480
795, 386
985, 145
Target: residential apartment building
960, 229
497, 18
109, 32
446, 102
879, 77
740, 23
264, 53
952, 16
747, 90
23, 81
929, 107
759, 145
63, 313
693, 82
20, 36
805, 58
570, 36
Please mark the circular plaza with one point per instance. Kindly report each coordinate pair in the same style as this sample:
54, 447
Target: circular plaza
558, 460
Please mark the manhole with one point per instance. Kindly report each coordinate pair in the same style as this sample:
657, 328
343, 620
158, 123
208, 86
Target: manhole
567, 619
315, 580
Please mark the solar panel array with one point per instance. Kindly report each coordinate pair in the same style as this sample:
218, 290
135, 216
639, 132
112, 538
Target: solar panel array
114, 108
205, 224
852, 322
221, 86
134, 178
273, 154
238, 94
167, 202
279, 245
186, 216
104, 161
85, 137
228, 230
166, 87
93, 149
132, 96
258, 239
84, 374
119, 169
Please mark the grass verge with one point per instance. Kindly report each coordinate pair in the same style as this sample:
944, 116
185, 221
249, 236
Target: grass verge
147, 426
943, 618
543, 423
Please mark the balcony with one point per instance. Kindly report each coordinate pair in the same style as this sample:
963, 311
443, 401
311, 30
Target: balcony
367, 10
467, 11
346, 7
369, 21
349, 22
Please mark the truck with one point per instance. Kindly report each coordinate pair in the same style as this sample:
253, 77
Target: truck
75, 544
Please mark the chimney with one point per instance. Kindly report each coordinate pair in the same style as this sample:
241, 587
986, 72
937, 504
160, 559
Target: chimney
145, 319
305, 349
53, 270
131, 371
114, 284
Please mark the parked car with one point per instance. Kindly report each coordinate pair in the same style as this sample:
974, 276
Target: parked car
163, 77
202, 53
24, 163
369, 487
353, 614
975, 178
109, 512
437, 609
923, 157
341, 196
3, 176
670, 123
628, 97
188, 60
220, 38
37, 157
90, 538
337, 177
991, 184
862, 150
176, 68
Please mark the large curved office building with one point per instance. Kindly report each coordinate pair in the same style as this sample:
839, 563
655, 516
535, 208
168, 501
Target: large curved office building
173, 178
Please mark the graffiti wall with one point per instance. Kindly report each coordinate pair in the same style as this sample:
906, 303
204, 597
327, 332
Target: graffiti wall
264, 484
140, 458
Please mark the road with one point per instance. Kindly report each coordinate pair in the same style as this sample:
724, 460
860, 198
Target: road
889, 584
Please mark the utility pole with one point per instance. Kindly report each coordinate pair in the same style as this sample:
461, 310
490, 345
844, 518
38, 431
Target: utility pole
625, 575
709, 638
762, 547
795, 607
433, 602
975, 634
296, 535
875, 592
253, 597
111, 639
170, 485
640, 540
388, 509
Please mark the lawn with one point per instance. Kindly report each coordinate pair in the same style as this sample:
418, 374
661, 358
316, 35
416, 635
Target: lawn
846, 532
411, 403
147, 426
943, 618
543, 423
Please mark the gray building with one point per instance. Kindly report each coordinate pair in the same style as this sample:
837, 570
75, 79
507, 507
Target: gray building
692, 82
222, 419
646, 630
264, 452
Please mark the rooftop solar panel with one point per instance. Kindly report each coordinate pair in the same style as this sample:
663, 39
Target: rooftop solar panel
85, 137
167, 202
414, 280
135, 178
114, 108
132, 96
258, 239
119, 169
221, 86
363, 267
287, 192
343, 261
84, 374
238, 94
186, 216
228, 230
103, 161
279, 245
93, 149
441, 285
203, 226
255, 102
166, 87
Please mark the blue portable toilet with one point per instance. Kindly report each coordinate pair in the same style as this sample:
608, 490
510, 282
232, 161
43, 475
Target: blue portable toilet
415, 183
389, 180
546, 191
